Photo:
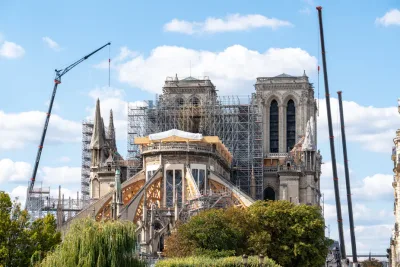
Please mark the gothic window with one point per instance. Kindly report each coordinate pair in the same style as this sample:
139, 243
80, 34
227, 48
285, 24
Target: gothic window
178, 186
201, 181
290, 125
195, 101
274, 127
170, 188
180, 101
199, 178
269, 193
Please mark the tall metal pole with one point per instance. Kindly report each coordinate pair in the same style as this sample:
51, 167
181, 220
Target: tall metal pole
346, 171
332, 142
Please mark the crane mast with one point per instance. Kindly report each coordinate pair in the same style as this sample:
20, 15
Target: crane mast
57, 81
331, 140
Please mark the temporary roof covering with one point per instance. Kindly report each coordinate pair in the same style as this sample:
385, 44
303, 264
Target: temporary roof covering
175, 132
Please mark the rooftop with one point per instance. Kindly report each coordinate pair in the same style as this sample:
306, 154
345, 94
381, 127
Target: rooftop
177, 136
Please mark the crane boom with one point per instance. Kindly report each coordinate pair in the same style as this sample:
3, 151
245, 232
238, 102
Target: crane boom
57, 81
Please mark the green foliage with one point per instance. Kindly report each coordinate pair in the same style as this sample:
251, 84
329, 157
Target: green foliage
211, 233
210, 262
44, 237
371, 263
292, 235
20, 240
91, 243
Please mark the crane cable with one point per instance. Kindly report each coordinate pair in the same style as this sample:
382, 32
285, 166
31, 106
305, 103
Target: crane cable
109, 66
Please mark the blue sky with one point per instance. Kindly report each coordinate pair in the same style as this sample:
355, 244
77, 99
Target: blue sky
233, 42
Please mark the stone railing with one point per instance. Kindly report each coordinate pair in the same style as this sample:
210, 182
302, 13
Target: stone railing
283, 168
160, 147
277, 155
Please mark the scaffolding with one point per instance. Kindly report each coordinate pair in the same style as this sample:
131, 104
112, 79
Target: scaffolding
42, 203
235, 120
87, 131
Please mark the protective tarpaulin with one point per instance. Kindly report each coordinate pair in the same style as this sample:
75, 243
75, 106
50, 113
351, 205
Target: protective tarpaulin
309, 142
175, 132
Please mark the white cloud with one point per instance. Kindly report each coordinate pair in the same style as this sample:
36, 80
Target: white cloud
14, 171
19, 193
234, 22
11, 171
330, 212
377, 186
181, 26
391, 17
17, 129
60, 175
11, 50
51, 43
374, 238
230, 70
374, 128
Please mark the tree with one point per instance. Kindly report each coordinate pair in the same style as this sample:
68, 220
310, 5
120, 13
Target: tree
20, 240
14, 233
212, 232
91, 243
371, 263
292, 235
43, 237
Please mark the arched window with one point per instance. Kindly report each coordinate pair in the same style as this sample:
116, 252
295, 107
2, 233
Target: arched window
290, 125
269, 193
194, 101
180, 101
274, 127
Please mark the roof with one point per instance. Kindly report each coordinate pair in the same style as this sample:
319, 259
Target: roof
284, 75
183, 137
190, 78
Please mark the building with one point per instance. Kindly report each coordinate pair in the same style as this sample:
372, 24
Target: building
192, 150
394, 241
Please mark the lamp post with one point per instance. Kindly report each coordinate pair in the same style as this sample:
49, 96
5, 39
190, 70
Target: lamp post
245, 260
261, 259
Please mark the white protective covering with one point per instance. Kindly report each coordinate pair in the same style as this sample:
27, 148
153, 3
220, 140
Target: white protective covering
309, 140
175, 132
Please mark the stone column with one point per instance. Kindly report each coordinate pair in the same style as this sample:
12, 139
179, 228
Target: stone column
282, 128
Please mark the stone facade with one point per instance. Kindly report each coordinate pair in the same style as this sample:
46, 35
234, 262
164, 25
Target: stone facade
395, 240
289, 173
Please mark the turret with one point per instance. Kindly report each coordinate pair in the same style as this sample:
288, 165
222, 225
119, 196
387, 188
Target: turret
98, 141
111, 133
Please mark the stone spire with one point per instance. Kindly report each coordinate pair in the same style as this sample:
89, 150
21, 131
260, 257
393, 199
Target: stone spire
97, 141
111, 133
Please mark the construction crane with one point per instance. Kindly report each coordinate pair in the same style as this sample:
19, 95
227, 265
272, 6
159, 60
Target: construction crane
57, 81
331, 141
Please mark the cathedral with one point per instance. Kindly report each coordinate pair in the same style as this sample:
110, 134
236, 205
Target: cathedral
193, 150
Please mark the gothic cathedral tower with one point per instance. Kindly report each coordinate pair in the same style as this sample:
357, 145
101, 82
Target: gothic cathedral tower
291, 162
